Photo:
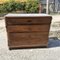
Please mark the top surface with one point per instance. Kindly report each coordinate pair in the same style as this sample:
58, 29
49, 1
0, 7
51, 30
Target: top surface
26, 15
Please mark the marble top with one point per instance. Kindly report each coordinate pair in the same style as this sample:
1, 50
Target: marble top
26, 15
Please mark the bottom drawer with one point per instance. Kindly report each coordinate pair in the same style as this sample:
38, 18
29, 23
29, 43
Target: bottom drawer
19, 40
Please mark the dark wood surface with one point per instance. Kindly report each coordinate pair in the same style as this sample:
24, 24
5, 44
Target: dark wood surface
27, 20
28, 28
27, 31
27, 39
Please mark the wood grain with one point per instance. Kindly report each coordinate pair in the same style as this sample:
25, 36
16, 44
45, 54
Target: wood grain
28, 28
24, 39
33, 20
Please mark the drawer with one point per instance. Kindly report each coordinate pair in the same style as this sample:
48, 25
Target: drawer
27, 39
27, 20
28, 28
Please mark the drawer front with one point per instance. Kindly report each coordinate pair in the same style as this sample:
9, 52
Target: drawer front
28, 28
28, 39
26, 20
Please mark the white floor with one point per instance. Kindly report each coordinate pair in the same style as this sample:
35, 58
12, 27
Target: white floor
55, 18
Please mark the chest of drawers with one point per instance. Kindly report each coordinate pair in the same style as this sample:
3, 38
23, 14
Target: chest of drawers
27, 30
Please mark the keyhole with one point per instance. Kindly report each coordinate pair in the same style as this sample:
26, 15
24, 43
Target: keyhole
29, 20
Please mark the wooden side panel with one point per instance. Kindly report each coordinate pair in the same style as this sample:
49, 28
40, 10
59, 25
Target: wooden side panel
28, 28
30, 20
28, 39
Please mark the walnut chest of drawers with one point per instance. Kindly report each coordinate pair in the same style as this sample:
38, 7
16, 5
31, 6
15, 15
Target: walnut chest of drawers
27, 30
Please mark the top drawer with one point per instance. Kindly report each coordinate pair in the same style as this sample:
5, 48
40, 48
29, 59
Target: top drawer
27, 20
